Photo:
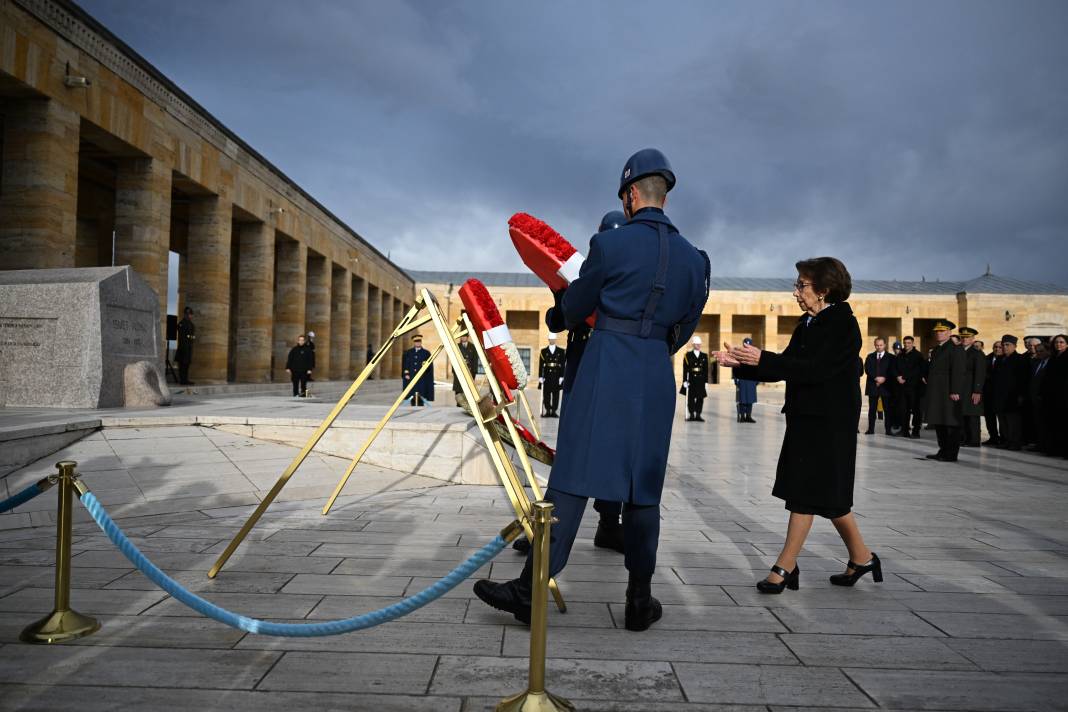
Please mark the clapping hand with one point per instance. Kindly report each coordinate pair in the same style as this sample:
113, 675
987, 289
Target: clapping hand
746, 354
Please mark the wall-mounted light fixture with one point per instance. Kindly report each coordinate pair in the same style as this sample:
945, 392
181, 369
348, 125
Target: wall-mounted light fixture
1009, 316
908, 310
74, 81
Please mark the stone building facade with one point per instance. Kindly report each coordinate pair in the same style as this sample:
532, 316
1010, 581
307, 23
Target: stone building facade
104, 161
764, 309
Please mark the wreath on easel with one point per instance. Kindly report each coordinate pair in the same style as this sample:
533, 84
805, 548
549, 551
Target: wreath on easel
501, 351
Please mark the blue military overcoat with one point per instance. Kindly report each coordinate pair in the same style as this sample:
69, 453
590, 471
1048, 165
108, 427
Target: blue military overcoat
746, 391
616, 429
413, 360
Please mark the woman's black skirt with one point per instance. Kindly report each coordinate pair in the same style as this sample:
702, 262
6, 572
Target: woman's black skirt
817, 466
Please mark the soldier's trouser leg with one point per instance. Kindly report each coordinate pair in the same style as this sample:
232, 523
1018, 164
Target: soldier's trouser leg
992, 425
641, 537
609, 511
691, 401
952, 440
545, 399
568, 510
873, 409
183, 372
699, 405
970, 433
554, 399
296, 384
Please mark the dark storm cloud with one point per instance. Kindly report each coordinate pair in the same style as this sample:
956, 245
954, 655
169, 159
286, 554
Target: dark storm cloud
909, 138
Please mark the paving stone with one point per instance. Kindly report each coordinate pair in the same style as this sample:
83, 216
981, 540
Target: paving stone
594, 679
944, 690
400, 636
824, 620
984, 603
1014, 655
999, 625
580, 614
767, 684
489, 704
83, 600
136, 667
348, 585
350, 672
253, 605
748, 619
440, 611
875, 651
198, 582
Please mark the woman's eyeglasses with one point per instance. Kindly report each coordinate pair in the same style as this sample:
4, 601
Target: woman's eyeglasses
799, 286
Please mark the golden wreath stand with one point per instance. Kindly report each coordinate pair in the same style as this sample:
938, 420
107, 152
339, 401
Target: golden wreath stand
425, 311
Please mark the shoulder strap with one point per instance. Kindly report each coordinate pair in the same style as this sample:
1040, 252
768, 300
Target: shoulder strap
659, 282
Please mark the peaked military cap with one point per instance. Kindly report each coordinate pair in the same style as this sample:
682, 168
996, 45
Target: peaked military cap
967, 331
417, 337
943, 325
1009, 338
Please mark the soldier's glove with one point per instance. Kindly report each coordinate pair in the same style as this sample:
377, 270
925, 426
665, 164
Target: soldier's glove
541, 380
561, 381
685, 384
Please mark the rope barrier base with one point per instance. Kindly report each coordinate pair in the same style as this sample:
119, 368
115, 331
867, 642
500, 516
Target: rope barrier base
59, 627
535, 702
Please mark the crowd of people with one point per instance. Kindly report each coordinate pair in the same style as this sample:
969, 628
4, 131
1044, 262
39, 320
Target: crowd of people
1022, 394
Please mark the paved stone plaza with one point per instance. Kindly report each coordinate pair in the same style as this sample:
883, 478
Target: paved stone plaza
973, 614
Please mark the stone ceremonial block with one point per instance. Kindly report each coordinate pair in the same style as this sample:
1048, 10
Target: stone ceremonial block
67, 335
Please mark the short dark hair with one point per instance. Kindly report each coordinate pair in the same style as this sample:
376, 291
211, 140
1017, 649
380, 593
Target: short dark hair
653, 189
827, 274
188, 310
909, 338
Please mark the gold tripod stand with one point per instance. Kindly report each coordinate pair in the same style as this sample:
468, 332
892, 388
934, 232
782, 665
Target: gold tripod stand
506, 472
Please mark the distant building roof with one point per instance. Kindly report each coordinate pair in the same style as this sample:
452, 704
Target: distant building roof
986, 284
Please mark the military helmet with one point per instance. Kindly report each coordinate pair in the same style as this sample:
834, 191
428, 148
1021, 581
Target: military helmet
611, 220
646, 162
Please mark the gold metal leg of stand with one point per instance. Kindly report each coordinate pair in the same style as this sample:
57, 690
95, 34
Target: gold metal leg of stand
535, 698
63, 623
530, 414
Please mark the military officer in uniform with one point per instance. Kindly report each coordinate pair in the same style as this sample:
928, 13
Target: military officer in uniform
470, 356
648, 286
946, 385
551, 376
745, 393
411, 362
183, 352
975, 370
694, 378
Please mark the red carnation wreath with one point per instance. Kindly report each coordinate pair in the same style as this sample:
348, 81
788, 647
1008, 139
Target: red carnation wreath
503, 355
546, 252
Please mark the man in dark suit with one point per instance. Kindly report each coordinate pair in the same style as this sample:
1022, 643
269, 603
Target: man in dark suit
991, 417
1009, 393
975, 371
881, 371
470, 355
1035, 388
299, 366
945, 385
551, 363
910, 373
694, 378
648, 286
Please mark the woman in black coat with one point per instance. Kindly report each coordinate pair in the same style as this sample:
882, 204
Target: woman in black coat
818, 458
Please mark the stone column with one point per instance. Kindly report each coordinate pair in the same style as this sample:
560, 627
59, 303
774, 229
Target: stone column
39, 200
398, 356
317, 315
209, 286
255, 303
340, 326
143, 223
358, 338
374, 322
389, 364
291, 270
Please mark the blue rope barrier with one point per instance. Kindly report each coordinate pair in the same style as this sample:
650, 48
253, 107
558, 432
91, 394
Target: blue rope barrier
22, 497
291, 630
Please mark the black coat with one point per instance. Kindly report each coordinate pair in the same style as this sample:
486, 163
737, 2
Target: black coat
187, 334
946, 375
911, 366
301, 359
975, 374
471, 359
1009, 384
874, 367
820, 366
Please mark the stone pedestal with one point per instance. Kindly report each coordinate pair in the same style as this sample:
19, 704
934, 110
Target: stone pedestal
67, 335
39, 200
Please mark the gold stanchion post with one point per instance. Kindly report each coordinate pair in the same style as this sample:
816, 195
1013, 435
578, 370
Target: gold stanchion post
62, 624
535, 698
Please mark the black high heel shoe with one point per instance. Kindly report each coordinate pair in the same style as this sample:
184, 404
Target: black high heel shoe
790, 580
875, 566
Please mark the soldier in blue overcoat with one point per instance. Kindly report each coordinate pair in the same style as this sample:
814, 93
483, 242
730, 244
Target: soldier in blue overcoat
648, 286
745, 393
413, 360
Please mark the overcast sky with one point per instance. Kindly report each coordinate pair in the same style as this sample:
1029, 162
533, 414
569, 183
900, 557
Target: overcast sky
908, 138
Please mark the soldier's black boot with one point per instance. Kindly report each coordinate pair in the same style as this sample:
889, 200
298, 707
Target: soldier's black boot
522, 545
511, 596
642, 609
609, 535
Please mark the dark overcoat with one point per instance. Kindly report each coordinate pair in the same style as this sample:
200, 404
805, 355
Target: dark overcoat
616, 429
745, 391
470, 356
301, 359
946, 374
975, 374
819, 451
1009, 384
695, 372
577, 336
187, 334
412, 361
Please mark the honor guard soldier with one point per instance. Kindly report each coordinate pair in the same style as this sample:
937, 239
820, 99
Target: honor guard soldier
694, 378
1009, 387
648, 286
745, 393
470, 356
183, 352
946, 385
975, 370
551, 376
411, 362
